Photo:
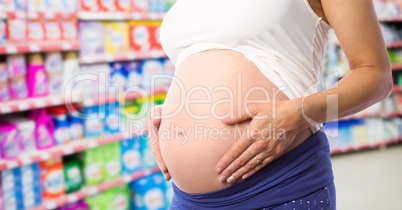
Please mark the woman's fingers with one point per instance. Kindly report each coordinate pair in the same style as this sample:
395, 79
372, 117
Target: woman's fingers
153, 138
251, 157
156, 116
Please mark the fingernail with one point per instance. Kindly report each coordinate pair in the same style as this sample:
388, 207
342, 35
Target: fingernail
222, 178
245, 176
219, 170
231, 178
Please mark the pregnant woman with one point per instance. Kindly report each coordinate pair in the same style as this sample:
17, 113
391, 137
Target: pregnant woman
241, 124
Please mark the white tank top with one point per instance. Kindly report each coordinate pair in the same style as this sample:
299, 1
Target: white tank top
285, 39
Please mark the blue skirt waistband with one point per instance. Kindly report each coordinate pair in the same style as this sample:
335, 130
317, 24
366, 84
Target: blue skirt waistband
299, 172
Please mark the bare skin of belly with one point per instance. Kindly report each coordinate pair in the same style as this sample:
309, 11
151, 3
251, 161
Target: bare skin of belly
192, 137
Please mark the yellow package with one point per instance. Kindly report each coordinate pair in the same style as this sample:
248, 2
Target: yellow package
116, 37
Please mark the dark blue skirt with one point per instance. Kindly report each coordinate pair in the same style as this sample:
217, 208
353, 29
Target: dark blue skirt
304, 171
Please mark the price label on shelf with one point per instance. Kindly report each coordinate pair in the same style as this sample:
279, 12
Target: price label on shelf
34, 48
66, 46
11, 49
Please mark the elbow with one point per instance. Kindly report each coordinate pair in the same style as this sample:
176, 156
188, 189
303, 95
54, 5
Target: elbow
386, 85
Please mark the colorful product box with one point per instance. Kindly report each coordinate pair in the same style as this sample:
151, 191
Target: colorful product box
93, 169
94, 126
52, 178
154, 28
10, 141
92, 38
130, 155
116, 37
133, 72
17, 30
112, 118
35, 30
149, 192
111, 161
152, 74
69, 29
139, 36
52, 30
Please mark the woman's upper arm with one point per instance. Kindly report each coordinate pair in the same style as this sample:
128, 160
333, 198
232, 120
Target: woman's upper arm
356, 25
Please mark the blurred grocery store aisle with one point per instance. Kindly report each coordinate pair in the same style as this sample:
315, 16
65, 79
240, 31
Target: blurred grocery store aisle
369, 180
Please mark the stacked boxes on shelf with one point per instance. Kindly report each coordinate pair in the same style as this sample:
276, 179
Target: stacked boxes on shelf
104, 160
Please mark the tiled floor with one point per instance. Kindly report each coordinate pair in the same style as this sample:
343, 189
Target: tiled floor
369, 180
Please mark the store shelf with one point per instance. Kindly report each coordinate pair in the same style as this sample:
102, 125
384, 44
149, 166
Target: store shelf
390, 19
357, 148
60, 150
90, 59
48, 101
119, 16
375, 114
35, 103
366, 146
41, 15
396, 67
394, 44
396, 89
45, 46
90, 191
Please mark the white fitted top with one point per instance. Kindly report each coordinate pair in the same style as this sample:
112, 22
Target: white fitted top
285, 39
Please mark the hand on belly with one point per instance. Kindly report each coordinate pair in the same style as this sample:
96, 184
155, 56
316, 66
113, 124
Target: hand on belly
192, 137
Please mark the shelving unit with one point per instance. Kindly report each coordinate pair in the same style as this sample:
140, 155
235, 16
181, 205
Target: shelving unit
28, 104
59, 151
40, 15
104, 58
48, 101
93, 190
98, 16
45, 46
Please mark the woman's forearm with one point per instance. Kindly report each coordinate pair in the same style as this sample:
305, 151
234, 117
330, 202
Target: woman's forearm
361, 88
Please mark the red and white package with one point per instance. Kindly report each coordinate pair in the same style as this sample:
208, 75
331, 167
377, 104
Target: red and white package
139, 36
17, 30
36, 31
52, 30
69, 29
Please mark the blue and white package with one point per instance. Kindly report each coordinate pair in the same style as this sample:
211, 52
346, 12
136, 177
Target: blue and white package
30, 175
133, 72
117, 77
130, 156
147, 157
31, 196
11, 179
149, 192
112, 123
94, 121
151, 71
13, 200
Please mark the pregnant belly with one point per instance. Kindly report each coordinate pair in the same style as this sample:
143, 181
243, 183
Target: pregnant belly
208, 86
